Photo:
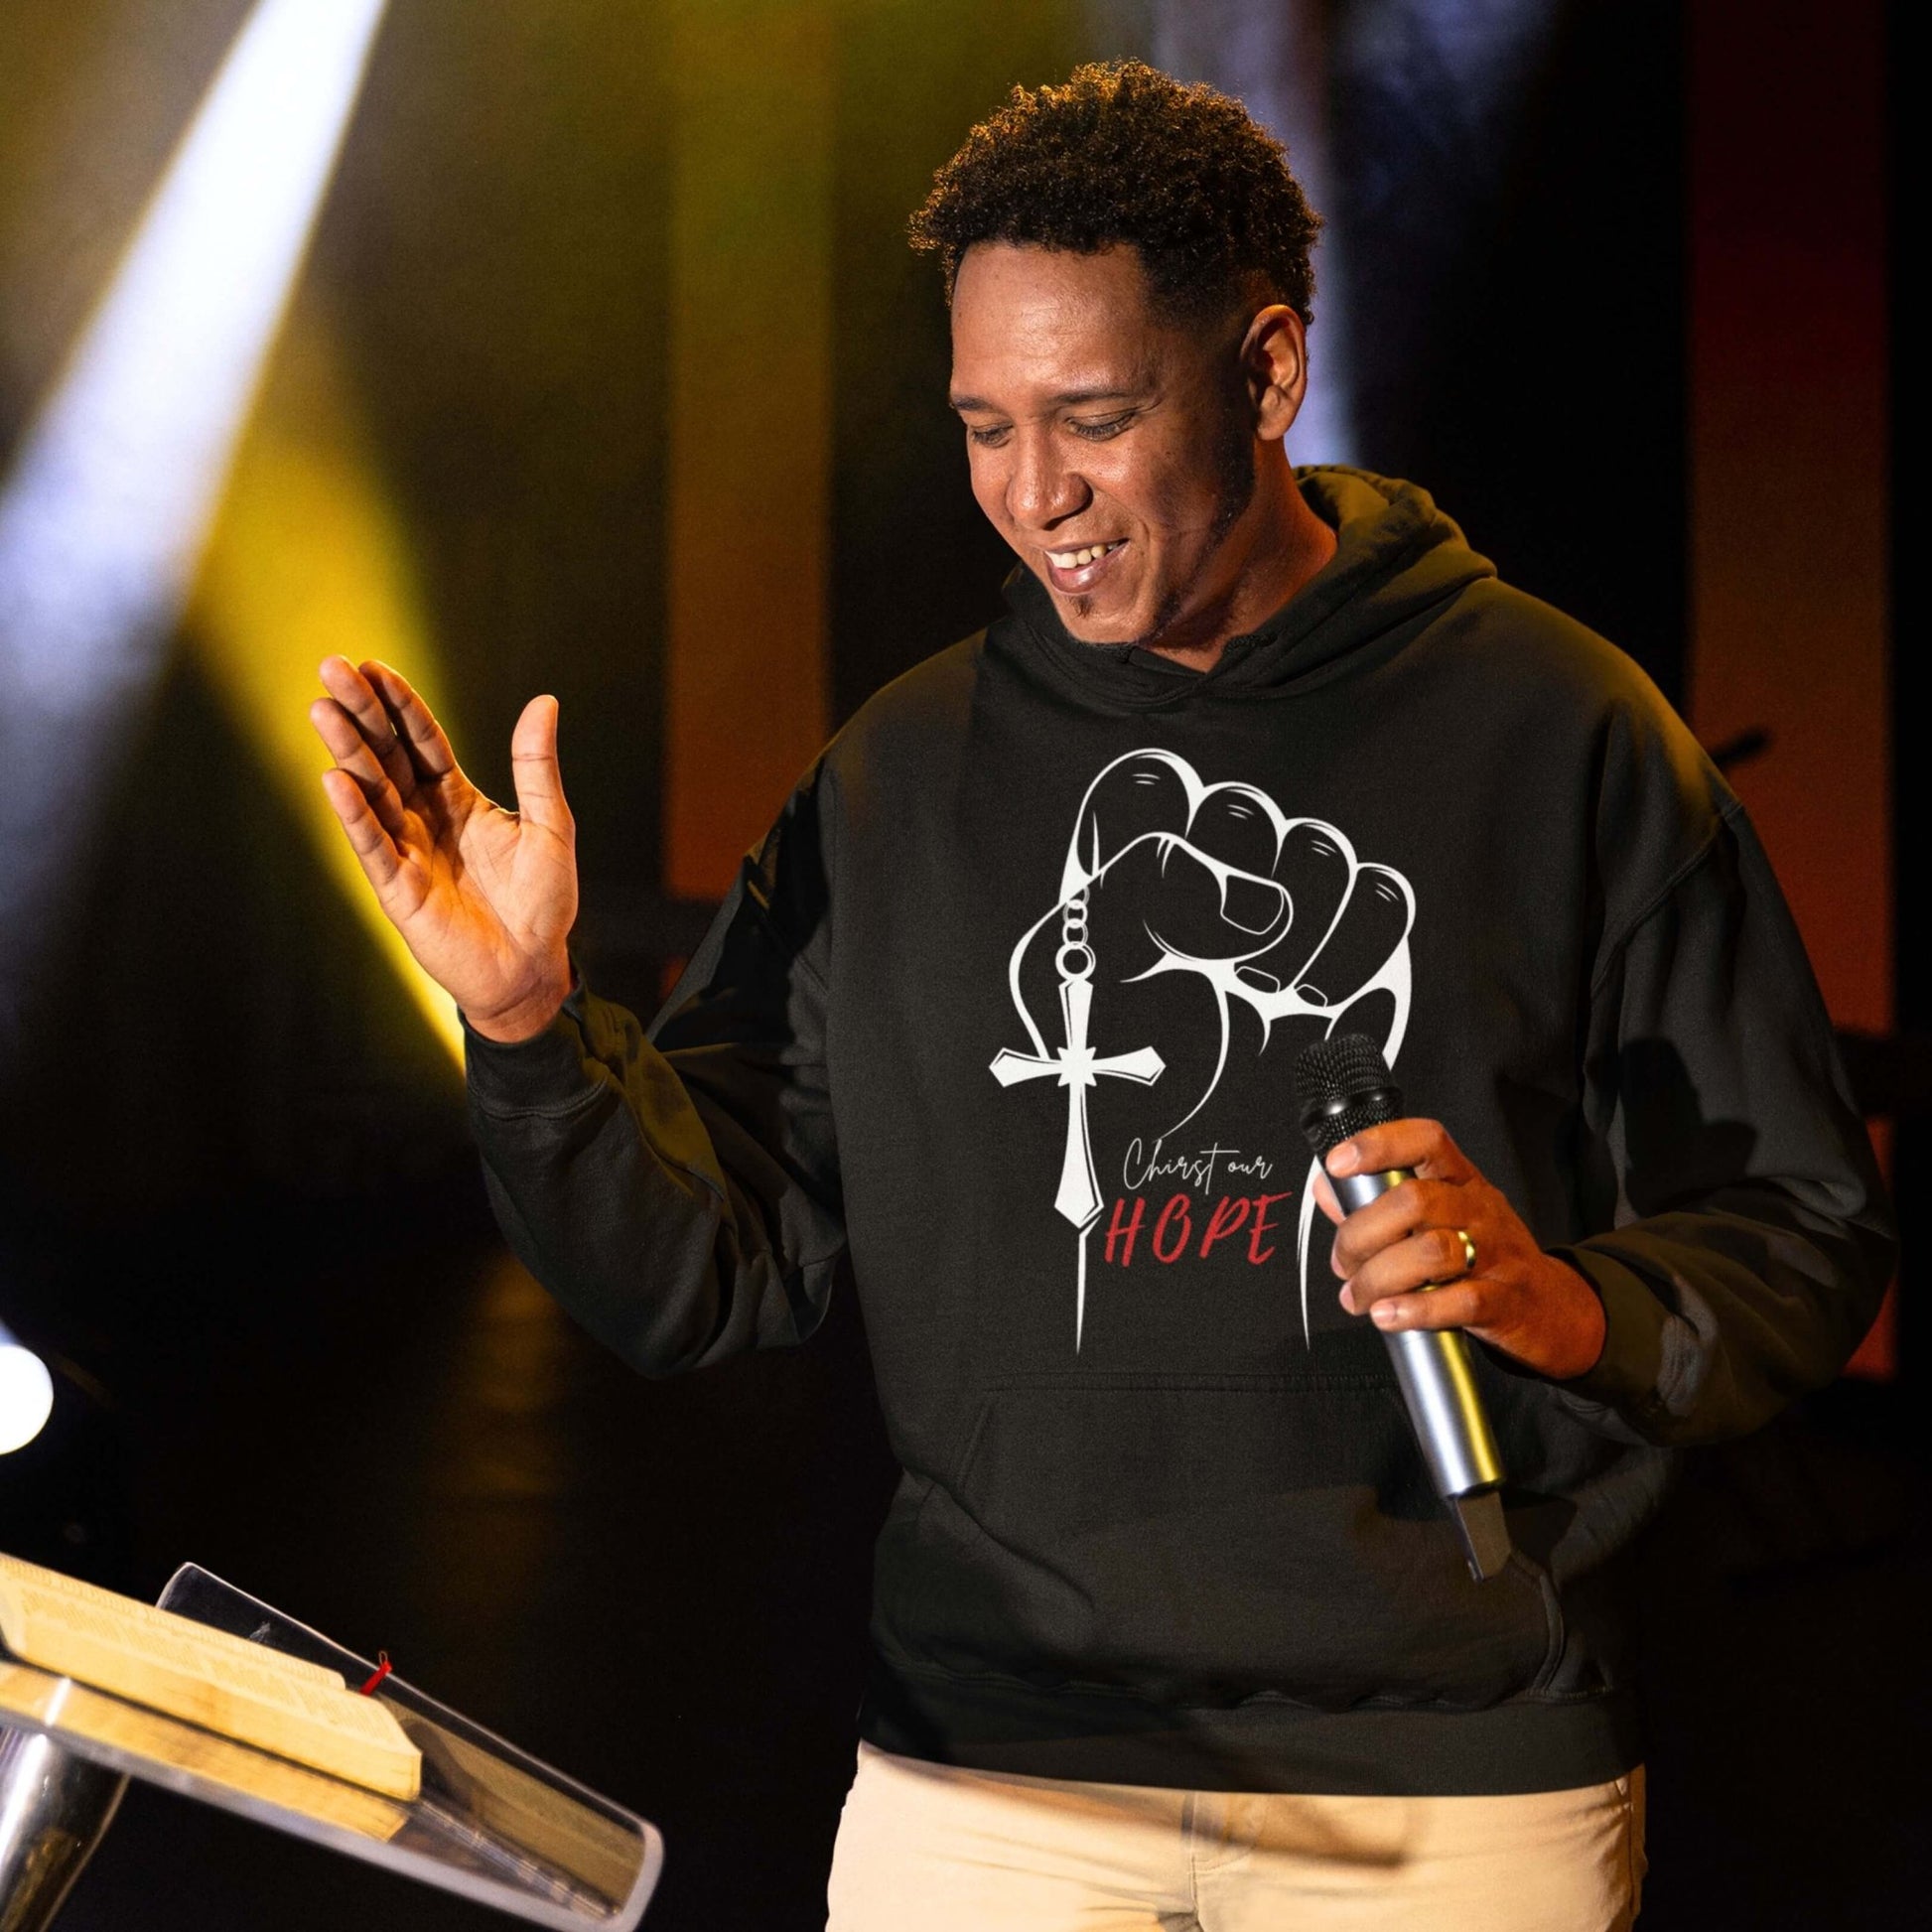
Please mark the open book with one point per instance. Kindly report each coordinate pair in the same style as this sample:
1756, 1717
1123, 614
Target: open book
223, 1683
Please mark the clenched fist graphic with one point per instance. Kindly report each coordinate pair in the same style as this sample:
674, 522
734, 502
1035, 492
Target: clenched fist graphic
1201, 934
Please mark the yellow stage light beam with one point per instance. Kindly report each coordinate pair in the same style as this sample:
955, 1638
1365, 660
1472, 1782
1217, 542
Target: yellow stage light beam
308, 557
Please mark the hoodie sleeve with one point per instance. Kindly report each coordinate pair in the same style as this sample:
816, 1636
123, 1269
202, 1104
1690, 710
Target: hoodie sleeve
677, 1188
1752, 1243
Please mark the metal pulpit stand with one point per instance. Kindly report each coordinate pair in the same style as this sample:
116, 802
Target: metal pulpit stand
492, 1823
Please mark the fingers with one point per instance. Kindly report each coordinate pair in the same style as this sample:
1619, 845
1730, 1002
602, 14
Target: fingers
1410, 1238
1543, 1315
1446, 1250
1422, 1262
1371, 927
1394, 1217
1313, 868
1204, 909
415, 724
1134, 797
1455, 1307
1197, 862
373, 848
1164, 897
1422, 1146
534, 769
1238, 826
357, 701
354, 755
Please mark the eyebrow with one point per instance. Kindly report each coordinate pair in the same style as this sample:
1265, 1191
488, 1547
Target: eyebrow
1060, 401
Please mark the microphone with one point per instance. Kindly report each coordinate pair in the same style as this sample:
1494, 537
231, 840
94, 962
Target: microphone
1342, 1084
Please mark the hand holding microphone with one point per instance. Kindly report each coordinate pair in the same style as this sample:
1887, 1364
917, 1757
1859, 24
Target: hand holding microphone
1403, 1263
1426, 1246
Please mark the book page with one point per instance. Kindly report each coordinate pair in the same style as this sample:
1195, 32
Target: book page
131, 1610
207, 1677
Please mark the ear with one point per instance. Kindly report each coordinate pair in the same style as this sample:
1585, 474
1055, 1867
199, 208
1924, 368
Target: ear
1275, 365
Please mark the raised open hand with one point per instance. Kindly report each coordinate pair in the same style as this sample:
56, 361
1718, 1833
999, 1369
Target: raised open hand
484, 897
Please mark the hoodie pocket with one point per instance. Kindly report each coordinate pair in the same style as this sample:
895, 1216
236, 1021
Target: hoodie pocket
1202, 1540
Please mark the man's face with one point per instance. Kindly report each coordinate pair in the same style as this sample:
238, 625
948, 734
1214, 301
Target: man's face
1113, 449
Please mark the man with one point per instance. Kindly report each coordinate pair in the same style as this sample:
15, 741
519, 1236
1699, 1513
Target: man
1170, 1629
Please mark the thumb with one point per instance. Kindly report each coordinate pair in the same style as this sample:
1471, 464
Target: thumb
1324, 1196
534, 770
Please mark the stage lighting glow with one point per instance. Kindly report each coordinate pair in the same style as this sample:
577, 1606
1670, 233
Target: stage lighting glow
308, 557
105, 512
26, 1394
1275, 61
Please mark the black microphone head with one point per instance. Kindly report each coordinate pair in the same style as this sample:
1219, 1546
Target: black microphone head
1342, 1085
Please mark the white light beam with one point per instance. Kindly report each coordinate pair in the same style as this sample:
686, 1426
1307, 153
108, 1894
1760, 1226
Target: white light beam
104, 516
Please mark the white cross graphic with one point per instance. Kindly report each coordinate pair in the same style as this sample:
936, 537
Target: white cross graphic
1077, 1067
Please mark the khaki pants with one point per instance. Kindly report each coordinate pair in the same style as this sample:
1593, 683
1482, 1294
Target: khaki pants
924, 1848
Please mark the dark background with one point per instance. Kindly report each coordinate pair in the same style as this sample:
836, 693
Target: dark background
237, 1206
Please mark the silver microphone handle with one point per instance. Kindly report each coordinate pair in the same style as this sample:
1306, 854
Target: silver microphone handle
1431, 1367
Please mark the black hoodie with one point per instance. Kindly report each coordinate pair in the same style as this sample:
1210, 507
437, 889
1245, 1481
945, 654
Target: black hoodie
1163, 1519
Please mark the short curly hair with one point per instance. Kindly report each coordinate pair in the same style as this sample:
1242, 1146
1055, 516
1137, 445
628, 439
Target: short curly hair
1123, 153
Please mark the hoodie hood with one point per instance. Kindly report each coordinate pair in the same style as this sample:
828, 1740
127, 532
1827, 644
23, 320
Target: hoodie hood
1397, 558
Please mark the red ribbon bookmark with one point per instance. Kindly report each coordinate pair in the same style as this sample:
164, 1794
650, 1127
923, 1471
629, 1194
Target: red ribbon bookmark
382, 1669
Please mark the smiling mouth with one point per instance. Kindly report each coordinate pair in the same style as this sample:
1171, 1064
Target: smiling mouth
1079, 559
1078, 569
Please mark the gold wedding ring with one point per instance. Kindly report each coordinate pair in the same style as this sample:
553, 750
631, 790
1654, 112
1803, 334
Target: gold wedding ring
1469, 1261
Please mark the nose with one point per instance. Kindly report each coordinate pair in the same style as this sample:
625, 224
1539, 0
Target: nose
1040, 490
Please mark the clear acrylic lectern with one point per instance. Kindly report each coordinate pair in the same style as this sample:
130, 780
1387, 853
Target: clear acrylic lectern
491, 1824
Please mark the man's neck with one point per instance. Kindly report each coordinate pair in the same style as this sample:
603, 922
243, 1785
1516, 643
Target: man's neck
1283, 545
